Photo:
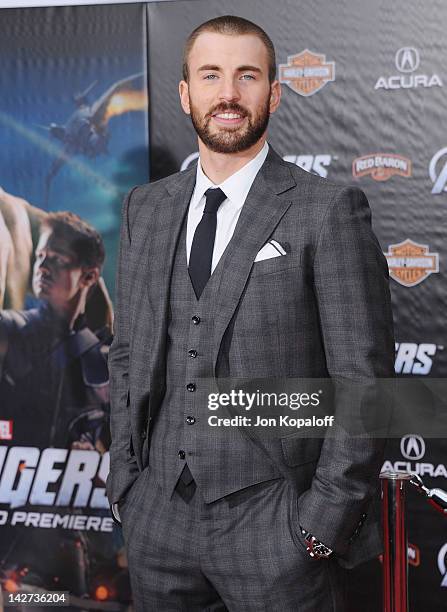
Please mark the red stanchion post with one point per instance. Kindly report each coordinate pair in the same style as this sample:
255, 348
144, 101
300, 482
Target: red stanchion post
395, 554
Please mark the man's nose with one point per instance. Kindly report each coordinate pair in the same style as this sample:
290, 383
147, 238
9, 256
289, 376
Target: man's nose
44, 264
229, 90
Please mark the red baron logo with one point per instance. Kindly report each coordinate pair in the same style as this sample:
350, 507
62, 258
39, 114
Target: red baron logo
5, 430
381, 166
307, 72
410, 263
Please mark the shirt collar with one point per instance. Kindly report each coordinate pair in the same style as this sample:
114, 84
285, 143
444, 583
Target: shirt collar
236, 186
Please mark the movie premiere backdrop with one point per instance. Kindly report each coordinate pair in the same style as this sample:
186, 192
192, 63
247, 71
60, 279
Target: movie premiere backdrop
364, 99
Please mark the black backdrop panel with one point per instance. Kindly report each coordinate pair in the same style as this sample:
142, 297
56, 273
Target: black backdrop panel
385, 105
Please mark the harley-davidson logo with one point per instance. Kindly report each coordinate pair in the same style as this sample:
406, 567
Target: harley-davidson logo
410, 263
5, 430
381, 166
307, 72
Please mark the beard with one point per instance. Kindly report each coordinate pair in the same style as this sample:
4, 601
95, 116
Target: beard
230, 140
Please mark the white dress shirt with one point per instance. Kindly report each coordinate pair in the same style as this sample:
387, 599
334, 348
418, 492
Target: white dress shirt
236, 188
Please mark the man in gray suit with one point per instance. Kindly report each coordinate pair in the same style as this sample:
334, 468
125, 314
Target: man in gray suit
245, 267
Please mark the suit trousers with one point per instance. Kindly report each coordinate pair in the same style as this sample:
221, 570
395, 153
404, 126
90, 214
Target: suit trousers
241, 553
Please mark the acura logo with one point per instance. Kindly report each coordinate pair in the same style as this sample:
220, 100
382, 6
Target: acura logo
407, 59
412, 447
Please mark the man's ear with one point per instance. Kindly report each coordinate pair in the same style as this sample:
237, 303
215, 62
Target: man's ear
183, 90
275, 96
89, 277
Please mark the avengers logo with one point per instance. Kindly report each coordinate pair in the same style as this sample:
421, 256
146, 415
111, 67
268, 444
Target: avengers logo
316, 164
307, 72
27, 474
442, 565
412, 358
438, 171
412, 447
189, 160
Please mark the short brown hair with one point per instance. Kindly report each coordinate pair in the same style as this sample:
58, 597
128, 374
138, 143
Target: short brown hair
232, 26
80, 236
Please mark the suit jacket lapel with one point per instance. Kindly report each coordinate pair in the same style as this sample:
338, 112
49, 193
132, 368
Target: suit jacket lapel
264, 207
165, 226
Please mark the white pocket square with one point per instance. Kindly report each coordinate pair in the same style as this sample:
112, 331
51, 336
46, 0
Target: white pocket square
271, 249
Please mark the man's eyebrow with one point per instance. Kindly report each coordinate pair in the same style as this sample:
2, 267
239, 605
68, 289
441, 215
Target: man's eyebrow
60, 251
216, 68
248, 68
208, 67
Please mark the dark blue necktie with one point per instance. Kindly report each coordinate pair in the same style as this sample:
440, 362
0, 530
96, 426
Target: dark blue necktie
202, 247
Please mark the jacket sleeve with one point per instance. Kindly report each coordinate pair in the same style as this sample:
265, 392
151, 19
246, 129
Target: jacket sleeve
353, 297
123, 465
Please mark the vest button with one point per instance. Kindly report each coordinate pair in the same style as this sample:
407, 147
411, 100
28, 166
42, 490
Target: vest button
181, 454
192, 353
191, 387
190, 420
195, 319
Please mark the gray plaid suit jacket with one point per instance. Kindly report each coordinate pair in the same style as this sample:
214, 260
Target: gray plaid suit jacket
330, 303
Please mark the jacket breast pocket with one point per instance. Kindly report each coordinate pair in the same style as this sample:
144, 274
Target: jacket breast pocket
297, 450
276, 264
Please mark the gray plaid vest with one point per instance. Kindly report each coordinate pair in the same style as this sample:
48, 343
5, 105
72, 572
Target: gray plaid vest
221, 460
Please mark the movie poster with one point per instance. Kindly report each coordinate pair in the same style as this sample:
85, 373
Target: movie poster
74, 136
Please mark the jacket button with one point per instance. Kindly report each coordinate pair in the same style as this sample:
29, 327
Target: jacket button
190, 420
192, 353
191, 387
181, 454
195, 319
143, 434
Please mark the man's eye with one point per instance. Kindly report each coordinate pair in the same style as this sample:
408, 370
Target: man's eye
63, 262
210, 77
59, 260
248, 77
